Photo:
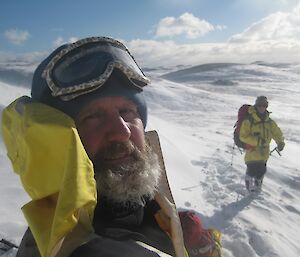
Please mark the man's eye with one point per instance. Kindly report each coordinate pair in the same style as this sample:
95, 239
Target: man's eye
126, 110
130, 110
128, 113
92, 116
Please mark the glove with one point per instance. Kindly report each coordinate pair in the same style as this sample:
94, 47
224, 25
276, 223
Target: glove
280, 146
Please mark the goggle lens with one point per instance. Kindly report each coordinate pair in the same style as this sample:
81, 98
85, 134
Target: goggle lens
80, 70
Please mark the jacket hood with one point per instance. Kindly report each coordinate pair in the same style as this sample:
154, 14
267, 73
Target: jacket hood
63, 191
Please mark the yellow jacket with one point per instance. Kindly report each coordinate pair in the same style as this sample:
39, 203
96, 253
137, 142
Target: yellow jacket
259, 133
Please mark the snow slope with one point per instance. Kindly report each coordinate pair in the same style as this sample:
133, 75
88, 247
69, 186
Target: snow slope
194, 111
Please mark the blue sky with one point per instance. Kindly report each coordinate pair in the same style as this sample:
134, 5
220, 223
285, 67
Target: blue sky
204, 28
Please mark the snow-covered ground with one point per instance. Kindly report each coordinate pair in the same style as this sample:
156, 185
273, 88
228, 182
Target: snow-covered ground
194, 111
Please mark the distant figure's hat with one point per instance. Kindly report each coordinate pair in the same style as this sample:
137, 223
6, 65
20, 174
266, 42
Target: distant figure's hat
261, 100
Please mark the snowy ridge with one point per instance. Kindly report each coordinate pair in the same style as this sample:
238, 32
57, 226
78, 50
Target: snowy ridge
194, 118
234, 73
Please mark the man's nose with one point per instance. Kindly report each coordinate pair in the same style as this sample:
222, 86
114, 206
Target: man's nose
119, 130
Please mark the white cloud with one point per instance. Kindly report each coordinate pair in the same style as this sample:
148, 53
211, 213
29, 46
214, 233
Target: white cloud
16, 37
60, 41
72, 39
277, 26
151, 53
186, 24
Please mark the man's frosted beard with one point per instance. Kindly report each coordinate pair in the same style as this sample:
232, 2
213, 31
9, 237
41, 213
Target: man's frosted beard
129, 183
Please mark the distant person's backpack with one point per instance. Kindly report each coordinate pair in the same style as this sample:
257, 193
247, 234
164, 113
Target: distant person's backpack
199, 242
242, 115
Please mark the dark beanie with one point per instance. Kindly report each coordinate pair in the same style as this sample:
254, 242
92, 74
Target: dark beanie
117, 85
261, 100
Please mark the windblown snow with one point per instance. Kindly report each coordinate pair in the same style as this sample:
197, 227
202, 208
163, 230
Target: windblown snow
194, 110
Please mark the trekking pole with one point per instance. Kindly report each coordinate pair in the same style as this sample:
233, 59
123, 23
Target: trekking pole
275, 149
8, 244
241, 152
232, 152
278, 151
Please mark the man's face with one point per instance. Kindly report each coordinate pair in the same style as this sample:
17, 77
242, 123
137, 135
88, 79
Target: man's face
110, 120
262, 108
112, 134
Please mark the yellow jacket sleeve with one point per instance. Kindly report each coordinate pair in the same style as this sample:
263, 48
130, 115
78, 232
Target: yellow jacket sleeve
277, 133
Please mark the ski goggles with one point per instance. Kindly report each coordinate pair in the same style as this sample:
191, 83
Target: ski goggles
86, 65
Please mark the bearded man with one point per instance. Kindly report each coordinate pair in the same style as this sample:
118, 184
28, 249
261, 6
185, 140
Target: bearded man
78, 144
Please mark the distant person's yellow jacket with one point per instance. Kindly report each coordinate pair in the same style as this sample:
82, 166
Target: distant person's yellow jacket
259, 133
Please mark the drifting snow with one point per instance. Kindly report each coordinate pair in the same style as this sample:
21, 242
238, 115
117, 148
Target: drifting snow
195, 119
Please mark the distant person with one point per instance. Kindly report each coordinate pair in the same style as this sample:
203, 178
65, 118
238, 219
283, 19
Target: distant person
80, 149
256, 132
